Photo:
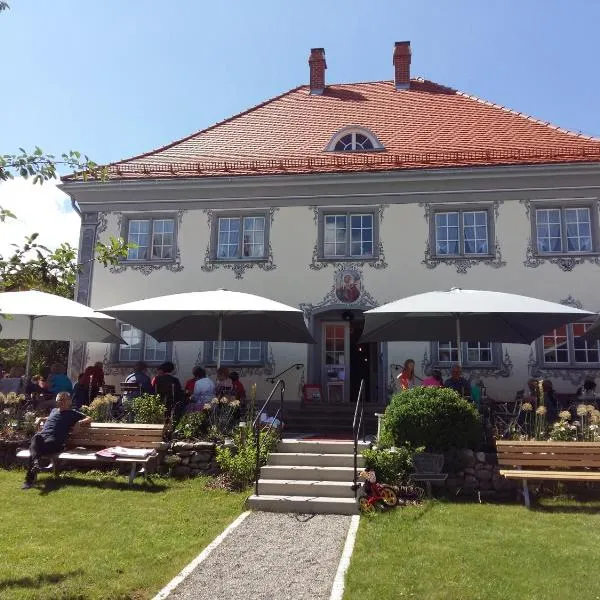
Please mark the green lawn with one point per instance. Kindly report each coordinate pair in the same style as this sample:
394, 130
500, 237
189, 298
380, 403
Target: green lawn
91, 537
472, 551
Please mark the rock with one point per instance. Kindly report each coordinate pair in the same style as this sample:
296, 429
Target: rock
491, 458
484, 475
469, 471
208, 446
183, 453
470, 481
199, 459
185, 460
179, 446
485, 485
467, 457
162, 446
460, 474
480, 457
181, 471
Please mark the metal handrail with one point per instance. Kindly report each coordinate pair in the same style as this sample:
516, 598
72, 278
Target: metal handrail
356, 425
296, 366
256, 425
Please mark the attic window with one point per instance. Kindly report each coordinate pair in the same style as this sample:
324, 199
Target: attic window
353, 140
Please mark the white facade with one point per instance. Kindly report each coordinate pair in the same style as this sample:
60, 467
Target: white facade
407, 261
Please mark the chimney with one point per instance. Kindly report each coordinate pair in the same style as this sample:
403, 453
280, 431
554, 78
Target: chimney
402, 65
317, 65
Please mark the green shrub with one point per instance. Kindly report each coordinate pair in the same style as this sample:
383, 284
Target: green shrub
390, 464
100, 408
435, 418
192, 425
148, 408
239, 464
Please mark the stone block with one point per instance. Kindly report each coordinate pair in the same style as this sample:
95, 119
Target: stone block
181, 471
480, 456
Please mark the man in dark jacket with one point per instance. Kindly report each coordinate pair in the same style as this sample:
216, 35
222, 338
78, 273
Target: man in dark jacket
168, 387
53, 437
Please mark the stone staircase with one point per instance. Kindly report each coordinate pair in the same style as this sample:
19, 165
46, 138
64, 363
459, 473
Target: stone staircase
310, 477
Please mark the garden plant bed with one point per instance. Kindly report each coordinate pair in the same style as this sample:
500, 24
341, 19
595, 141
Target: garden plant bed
452, 551
93, 537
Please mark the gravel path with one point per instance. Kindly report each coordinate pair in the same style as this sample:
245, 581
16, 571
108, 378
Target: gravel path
271, 556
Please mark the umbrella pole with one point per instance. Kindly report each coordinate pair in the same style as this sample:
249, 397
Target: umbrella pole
458, 341
30, 341
219, 340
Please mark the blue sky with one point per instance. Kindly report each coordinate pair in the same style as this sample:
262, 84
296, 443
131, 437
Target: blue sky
120, 77
116, 78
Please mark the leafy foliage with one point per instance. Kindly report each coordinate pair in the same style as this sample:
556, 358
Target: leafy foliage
390, 464
192, 425
240, 465
148, 408
435, 418
100, 409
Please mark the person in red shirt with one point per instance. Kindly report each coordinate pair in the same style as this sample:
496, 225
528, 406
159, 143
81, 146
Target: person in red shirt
197, 373
238, 387
93, 377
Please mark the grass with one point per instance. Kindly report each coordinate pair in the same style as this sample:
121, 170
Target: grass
92, 537
443, 551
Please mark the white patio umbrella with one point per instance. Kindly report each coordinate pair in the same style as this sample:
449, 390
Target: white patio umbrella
467, 315
36, 315
214, 315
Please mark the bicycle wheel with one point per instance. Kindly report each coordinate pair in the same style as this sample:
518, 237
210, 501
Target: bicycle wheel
365, 506
388, 495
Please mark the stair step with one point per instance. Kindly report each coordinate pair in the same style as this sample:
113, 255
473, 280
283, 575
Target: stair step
294, 487
303, 504
311, 459
307, 473
320, 446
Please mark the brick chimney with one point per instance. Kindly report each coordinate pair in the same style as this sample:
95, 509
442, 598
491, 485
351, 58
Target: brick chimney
317, 65
402, 65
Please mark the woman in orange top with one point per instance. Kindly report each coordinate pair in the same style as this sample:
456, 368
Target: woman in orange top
407, 378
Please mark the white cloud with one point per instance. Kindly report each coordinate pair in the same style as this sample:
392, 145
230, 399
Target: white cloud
42, 209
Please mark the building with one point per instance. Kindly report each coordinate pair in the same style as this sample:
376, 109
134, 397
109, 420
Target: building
339, 198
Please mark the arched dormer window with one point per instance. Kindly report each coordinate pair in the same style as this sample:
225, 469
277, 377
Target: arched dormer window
354, 139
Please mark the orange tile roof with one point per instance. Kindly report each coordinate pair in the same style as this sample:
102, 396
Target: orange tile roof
427, 126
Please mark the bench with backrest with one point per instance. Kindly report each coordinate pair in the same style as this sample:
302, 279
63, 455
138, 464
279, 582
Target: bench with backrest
83, 445
541, 461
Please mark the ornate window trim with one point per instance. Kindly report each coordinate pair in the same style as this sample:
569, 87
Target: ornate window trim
463, 262
565, 261
148, 266
114, 359
320, 261
501, 365
237, 265
353, 130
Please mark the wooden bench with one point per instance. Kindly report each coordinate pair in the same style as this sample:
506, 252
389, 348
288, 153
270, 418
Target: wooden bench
83, 444
558, 461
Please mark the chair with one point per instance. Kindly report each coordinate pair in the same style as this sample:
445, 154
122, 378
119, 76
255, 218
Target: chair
505, 415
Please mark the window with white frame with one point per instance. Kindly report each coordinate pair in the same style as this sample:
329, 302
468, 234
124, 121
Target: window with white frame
241, 237
236, 352
140, 347
473, 353
348, 234
566, 346
564, 230
153, 239
354, 139
462, 232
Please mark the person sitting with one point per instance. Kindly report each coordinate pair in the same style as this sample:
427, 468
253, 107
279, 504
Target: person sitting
58, 380
188, 388
224, 385
94, 378
587, 392
458, 383
407, 377
80, 392
168, 387
141, 378
53, 437
204, 389
434, 380
550, 401
35, 386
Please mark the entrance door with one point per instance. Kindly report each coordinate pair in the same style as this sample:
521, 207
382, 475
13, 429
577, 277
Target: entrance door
364, 364
334, 361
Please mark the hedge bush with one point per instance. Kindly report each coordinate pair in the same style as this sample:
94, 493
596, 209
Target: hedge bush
435, 418
390, 464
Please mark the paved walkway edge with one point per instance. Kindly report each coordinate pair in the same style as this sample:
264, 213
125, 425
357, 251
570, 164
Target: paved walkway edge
184, 573
337, 591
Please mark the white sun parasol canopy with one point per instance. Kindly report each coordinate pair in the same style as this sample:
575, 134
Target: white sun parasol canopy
36, 315
472, 315
215, 315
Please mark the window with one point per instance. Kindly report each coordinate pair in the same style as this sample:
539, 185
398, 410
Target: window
354, 139
241, 237
462, 232
473, 353
140, 346
565, 346
348, 235
564, 230
236, 353
154, 239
